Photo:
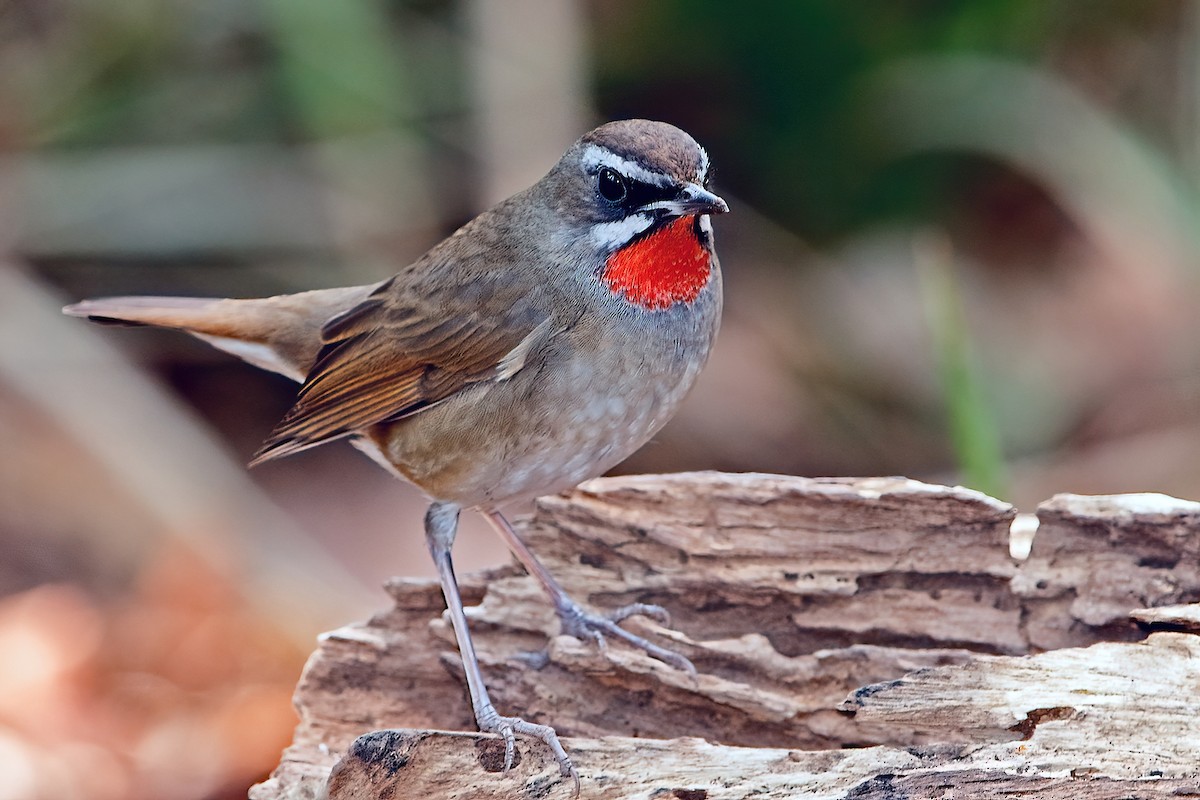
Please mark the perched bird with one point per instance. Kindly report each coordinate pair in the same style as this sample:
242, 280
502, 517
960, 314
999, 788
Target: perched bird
536, 347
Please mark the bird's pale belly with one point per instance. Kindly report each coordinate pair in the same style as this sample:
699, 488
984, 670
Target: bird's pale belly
518, 439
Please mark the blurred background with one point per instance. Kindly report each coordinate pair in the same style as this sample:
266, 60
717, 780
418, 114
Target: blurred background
963, 248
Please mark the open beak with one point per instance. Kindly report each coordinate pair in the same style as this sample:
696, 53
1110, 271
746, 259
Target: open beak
692, 199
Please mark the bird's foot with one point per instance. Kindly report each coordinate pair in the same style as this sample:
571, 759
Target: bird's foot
507, 728
586, 626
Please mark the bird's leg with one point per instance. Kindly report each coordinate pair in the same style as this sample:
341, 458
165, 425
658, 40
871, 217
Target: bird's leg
441, 525
575, 620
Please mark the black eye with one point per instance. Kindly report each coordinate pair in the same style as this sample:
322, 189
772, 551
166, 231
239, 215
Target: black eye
611, 185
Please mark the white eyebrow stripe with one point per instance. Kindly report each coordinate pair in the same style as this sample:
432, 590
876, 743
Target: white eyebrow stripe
702, 173
595, 157
614, 235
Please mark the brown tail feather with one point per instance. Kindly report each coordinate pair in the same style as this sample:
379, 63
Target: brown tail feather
167, 312
281, 334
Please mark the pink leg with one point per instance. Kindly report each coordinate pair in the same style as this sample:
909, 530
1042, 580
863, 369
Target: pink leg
441, 526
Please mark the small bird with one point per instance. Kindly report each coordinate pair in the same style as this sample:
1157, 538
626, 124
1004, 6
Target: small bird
537, 346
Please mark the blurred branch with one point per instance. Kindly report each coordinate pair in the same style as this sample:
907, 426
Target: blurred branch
165, 201
160, 456
531, 90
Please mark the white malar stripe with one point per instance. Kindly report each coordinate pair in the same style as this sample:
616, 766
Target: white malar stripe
260, 355
613, 236
595, 157
706, 225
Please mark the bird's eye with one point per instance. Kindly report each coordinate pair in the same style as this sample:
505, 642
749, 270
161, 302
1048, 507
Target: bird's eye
611, 185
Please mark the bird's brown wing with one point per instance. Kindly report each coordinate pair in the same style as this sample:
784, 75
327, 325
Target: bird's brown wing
397, 353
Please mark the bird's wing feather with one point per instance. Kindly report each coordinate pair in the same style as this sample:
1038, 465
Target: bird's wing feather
398, 352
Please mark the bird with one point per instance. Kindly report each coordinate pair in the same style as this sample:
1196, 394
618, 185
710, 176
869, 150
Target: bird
536, 347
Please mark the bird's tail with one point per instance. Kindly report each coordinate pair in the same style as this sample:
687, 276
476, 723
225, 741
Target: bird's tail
184, 313
281, 334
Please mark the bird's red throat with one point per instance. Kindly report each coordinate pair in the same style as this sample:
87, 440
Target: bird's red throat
669, 266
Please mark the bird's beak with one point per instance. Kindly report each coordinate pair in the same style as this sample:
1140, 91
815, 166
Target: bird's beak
692, 199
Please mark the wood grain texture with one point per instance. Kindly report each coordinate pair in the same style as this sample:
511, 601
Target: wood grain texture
878, 614
1095, 559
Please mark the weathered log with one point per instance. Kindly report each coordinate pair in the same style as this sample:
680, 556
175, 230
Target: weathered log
879, 614
1095, 559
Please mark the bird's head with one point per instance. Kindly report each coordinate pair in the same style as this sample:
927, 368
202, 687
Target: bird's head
636, 192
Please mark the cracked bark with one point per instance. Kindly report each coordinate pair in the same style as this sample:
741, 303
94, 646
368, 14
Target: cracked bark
854, 638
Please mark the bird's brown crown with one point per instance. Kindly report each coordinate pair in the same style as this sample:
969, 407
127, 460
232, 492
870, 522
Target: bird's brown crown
656, 146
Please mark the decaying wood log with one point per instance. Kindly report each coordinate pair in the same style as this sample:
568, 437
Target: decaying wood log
883, 615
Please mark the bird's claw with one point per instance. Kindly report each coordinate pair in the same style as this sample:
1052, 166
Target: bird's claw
586, 626
507, 728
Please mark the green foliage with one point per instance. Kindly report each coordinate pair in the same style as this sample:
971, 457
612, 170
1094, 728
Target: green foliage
338, 64
775, 88
972, 424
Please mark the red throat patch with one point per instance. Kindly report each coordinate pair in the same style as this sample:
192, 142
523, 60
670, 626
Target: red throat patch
669, 266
